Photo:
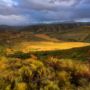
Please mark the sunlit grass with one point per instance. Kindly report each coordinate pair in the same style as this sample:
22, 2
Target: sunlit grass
46, 68
47, 46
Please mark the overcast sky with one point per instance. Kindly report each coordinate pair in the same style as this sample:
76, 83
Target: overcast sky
23, 12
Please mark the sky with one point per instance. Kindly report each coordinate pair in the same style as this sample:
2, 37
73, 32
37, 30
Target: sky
25, 12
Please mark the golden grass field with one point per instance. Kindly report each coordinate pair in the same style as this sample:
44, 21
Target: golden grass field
45, 58
48, 46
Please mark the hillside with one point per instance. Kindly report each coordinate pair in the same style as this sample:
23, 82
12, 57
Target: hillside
77, 53
46, 70
45, 57
55, 33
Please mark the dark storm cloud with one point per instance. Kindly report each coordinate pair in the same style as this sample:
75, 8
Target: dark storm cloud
35, 11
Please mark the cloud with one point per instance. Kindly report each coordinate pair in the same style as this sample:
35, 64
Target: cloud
35, 11
48, 4
13, 19
83, 20
9, 2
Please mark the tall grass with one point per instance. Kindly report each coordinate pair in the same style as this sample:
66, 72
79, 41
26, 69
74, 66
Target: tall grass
50, 74
45, 70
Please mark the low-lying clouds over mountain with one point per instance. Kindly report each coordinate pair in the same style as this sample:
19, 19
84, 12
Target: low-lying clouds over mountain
18, 12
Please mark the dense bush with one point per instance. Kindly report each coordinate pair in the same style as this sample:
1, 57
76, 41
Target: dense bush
49, 74
20, 55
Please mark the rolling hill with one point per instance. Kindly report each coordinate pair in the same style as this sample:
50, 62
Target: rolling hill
45, 57
49, 32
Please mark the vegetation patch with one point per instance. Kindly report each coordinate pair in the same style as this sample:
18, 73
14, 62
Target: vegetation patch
45, 70
55, 74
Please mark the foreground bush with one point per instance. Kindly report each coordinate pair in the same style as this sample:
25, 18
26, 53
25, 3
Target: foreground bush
49, 74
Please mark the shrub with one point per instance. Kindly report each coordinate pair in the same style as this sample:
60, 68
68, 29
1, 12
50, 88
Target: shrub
20, 55
52, 73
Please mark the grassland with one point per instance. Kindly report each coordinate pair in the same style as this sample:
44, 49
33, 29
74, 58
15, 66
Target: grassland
51, 74
48, 46
36, 59
64, 69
